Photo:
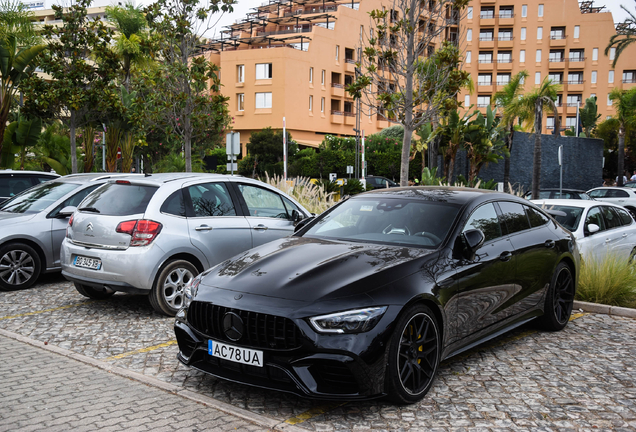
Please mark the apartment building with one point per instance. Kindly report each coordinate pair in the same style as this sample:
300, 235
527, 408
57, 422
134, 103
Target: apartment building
563, 40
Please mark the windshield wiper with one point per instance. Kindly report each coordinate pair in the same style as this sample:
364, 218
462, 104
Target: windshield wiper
90, 209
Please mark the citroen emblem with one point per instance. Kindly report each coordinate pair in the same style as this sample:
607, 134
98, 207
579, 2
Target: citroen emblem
89, 227
232, 326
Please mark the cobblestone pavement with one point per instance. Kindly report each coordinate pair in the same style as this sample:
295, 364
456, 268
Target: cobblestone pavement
583, 378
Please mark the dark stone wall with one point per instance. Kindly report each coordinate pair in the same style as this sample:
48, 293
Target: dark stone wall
582, 162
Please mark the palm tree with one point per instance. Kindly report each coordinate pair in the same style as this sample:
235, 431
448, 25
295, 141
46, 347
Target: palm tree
508, 100
15, 19
543, 97
625, 104
624, 37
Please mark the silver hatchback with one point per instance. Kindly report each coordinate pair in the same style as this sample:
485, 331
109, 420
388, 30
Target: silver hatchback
152, 235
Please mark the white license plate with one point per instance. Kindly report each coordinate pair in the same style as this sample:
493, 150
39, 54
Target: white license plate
85, 262
235, 354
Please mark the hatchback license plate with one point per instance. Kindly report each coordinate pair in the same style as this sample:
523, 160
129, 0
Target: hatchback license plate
235, 354
91, 263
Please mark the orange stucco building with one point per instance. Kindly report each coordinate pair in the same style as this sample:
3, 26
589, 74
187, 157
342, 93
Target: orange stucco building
292, 59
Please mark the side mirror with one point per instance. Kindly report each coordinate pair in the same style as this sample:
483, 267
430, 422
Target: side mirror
66, 212
302, 223
592, 228
473, 239
296, 217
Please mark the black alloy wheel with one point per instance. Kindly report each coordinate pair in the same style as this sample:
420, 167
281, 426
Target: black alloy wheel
559, 299
19, 266
414, 356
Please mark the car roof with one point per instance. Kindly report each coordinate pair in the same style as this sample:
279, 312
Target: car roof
93, 177
162, 178
572, 203
629, 189
453, 195
22, 172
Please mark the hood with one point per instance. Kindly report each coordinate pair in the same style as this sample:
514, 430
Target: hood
7, 218
309, 269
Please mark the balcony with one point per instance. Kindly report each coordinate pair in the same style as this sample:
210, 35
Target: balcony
576, 63
337, 90
572, 107
505, 42
485, 65
504, 65
337, 117
558, 40
349, 118
487, 42
487, 19
556, 63
575, 85
506, 18
350, 65
382, 122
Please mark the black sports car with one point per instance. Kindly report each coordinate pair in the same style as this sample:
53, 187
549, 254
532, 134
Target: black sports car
366, 299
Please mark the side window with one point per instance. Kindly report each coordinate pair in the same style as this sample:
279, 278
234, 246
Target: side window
174, 204
211, 199
75, 200
617, 193
514, 216
612, 220
262, 202
485, 219
536, 217
42, 179
290, 206
598, 193
594, 216
626, 219
19, 184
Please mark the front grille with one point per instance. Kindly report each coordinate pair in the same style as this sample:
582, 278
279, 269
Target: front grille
260, 330
186, 343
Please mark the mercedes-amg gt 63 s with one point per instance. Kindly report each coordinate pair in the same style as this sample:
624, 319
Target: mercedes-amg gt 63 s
366, 299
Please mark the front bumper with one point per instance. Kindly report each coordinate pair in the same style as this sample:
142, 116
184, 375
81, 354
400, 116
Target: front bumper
316, 366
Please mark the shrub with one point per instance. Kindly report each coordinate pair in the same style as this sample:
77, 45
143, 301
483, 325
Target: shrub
352, 187
610, 281
312, 196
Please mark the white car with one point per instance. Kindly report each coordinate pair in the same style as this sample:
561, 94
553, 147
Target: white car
622, 196
599, 228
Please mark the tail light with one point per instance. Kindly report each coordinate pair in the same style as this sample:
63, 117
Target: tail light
143, 231
70, 224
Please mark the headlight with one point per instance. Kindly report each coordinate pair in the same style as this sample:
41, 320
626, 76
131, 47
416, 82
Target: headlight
190, 290
353, 321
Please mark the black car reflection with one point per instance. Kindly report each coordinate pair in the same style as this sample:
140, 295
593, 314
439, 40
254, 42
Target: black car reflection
368, 298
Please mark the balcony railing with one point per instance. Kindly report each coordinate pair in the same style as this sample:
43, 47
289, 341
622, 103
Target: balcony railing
350, 60
485, 60
337, 85
556, 81
629, 80
557, 36
504, 60
349, 114
576, 59
336, 112
506, 14
278, 32
505, 38
556, 59
503, 83
577, 81
483, 105
486, 38
484, 83
487, 15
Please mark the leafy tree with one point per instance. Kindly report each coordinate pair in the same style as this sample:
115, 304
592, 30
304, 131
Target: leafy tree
19, 136
82, 67
15, 19
625, 104
452, 131
543, 97
588, 116
54, 149
484, 142
401, 79
16, 64
514, 112
396, 132
624, 37
266, 150
186, 100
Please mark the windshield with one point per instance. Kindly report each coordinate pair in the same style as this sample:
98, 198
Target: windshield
571, 218
37, 198
396, 221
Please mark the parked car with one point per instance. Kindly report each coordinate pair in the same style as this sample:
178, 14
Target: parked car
33, 226
366, 299
557, 193
153, 234
599, 228
13, 182
622, 196
378, 182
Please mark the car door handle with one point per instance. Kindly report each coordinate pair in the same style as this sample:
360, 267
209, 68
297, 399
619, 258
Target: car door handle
624, 235
608, 240
260, 227
505, 256
203, 228
549, 243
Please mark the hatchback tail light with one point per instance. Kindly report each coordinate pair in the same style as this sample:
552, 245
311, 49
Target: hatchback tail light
143, 231
70, 224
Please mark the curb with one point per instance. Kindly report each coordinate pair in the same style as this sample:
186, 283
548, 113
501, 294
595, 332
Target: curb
605, 309
249, 416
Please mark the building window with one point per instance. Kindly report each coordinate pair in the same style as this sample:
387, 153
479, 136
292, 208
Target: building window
483, 101
540, 14
263, 71
555, 77
549, 122
311, 75
537, 78
524, 11
337, 52
577, 32
592, 95
484, 80
609, 101
504, 57
487, 13
595, 54
538, 59
506, 12
556, 56
240, 73
594, 77
469, 57
523, 33
485, 57
574, 100
311, 103
322, 105
612, 53
557, 33
469, 35
503, 79
629, 76
322, 77
469, 12
505, 35
466, 101
610, 77
575, 78
241, 101
522, 56
570, 122
577, 55
263, 100
486, 35
539, 33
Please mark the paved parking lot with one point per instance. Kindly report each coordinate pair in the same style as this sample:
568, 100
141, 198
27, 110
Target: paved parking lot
578, 379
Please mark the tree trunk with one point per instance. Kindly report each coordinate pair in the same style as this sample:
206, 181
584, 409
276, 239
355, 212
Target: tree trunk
536, 167
621, 154
187, 143
73, 146
506, 177
406, 151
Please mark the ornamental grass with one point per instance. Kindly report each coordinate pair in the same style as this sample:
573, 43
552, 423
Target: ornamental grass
311, 196
610, 281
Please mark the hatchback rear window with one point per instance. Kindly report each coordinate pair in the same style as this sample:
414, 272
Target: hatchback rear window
115, 199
